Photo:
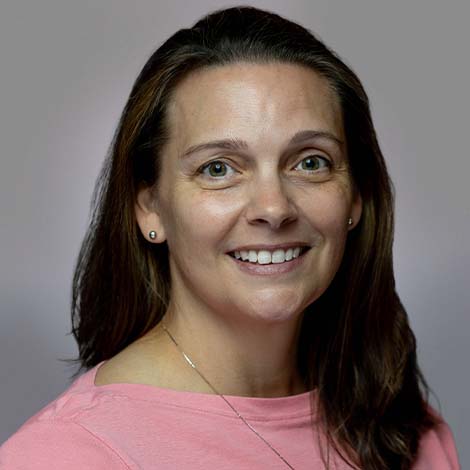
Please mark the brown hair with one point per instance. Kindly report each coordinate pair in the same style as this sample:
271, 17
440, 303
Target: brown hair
356, 346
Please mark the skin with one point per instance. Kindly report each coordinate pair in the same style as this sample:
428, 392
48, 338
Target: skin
239, 329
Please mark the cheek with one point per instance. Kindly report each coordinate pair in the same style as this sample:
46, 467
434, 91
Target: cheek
199, 220
328, 209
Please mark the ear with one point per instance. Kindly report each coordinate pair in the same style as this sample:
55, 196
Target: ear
147, 215
356, 209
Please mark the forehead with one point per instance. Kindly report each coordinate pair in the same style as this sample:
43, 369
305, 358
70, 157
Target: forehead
253, 101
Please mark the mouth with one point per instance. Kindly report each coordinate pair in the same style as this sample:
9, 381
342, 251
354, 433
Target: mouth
263, 257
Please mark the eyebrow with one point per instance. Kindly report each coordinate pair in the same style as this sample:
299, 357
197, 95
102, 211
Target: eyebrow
238, 144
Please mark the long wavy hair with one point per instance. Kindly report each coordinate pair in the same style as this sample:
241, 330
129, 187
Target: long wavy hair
356, 347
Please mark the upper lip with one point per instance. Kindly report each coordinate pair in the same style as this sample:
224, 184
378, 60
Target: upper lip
262, 246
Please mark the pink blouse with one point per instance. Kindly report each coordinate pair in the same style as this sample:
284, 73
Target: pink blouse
135, 426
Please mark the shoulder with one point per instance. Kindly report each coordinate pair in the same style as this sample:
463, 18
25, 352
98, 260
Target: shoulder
55, 444
58, 437
437, 449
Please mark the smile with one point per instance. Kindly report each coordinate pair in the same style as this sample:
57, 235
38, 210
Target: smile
271, 269
263, 257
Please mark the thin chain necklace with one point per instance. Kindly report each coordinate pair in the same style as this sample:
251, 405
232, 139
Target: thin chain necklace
229, 404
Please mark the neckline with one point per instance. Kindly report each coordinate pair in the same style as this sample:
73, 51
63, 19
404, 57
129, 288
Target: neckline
255, 408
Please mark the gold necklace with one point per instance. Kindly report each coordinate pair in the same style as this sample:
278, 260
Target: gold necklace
228, 403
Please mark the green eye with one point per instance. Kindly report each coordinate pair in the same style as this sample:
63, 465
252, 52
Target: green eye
216, 169
313, 163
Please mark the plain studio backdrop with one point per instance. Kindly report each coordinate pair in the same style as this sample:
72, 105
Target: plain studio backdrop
67, 68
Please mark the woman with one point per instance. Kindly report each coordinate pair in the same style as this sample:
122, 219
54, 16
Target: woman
234, 299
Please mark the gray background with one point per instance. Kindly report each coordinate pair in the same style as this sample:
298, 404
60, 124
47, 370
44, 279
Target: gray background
66, 71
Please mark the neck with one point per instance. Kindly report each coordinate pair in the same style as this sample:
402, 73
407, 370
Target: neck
253, 360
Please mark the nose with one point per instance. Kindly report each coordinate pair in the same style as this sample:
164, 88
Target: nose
270, 203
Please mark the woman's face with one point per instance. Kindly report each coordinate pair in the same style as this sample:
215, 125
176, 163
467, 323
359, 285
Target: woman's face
267, 178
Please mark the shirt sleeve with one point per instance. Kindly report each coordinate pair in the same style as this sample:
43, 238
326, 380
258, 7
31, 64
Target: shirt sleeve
437, 450
57, 444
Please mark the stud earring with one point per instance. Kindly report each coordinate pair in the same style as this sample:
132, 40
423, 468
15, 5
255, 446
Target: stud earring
350, 221
153, 234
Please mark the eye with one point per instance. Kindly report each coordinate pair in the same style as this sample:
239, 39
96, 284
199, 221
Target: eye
312, 163
216, 168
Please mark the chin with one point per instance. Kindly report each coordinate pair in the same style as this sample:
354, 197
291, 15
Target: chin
273, 313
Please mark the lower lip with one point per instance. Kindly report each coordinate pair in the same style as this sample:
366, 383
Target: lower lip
270, 269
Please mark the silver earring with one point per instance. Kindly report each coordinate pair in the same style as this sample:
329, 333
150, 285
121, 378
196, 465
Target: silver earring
350, 221
153, 234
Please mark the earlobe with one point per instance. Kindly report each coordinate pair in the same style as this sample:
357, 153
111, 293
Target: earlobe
356, 210
147, 216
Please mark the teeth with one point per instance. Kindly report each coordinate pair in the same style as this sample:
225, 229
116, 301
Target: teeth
278, 256
267, 257
289, 254
264, 257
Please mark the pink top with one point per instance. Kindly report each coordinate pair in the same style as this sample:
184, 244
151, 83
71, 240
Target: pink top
135, 426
